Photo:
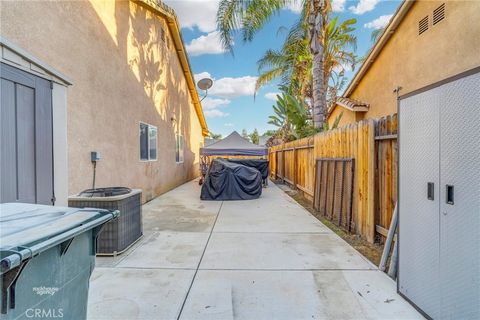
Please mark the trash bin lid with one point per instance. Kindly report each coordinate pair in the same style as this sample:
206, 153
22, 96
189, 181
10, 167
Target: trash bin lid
25, 225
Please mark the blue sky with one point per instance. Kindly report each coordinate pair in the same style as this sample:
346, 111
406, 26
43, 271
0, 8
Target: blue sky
230, 104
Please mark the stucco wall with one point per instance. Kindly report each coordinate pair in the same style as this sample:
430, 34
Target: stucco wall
122, 73
413, 61
347, 116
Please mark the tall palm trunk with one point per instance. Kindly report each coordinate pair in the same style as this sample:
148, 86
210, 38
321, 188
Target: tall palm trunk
317, 50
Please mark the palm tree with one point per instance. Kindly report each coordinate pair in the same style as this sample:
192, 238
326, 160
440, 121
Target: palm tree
376, 34
338, 56
251, 15
292, 64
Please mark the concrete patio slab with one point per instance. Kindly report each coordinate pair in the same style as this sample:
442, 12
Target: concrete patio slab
267, 217
180, 210
168, 250
295, 295
280, 251
179, 218
262, 259
112, 261
137, 293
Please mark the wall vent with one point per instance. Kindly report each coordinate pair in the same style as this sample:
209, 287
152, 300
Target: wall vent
423, 25
439, 14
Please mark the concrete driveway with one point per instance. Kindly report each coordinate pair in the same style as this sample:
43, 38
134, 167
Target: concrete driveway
259, 259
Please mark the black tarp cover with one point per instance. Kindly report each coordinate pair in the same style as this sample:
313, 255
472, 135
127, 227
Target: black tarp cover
259, 164
226, 180
233, 145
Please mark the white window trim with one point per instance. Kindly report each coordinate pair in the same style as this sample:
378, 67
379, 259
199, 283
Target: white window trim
183, 149
148, 142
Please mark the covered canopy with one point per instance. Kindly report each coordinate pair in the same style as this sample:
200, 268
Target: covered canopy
231, 181
233, 145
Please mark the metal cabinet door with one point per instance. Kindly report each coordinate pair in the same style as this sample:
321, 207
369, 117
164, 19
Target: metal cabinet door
460, 209
26, 162
418, 278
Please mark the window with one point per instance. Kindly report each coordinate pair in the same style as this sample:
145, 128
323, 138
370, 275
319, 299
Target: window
148, 142
179, 148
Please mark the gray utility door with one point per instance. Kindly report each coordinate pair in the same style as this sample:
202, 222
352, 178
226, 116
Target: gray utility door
27, 137
419, 217
460, 217
439, 233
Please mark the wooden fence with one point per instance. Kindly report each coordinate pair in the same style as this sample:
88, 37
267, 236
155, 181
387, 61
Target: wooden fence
372, 145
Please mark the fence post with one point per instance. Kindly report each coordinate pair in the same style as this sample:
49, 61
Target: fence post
370, 214
276, 164
283, 163
295, 160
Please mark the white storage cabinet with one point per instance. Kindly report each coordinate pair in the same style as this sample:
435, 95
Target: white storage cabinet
439, 198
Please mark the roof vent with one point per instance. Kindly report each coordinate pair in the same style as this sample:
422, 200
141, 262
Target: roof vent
423, 25
439, 14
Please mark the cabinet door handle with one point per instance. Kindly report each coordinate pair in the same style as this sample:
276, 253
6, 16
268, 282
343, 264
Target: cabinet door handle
450, 194
430, 191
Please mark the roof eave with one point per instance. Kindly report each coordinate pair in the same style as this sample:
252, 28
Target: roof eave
377, 48
173, 26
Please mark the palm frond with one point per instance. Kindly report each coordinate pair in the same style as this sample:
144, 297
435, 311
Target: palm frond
257, 13
229, 15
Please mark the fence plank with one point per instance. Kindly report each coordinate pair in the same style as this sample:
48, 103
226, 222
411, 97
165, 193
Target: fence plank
372, 145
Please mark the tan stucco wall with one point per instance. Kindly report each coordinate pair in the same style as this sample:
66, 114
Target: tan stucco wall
347, 117
413, 61
122, 73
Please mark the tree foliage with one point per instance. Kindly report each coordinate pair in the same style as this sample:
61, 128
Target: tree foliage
249, 16
291, 117
292, 64
311, 63
254, 136
215, 136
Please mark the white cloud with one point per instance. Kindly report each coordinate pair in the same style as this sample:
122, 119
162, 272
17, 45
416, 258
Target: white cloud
364, 6
378, 23
338, 5
230, 87
205, 44
229, 124
215, 113
213, 103
201, 75
196, 13
295, 6
271, 96
234, 87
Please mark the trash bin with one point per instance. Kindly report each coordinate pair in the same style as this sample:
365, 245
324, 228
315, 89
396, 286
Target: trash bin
47, 256
119, 234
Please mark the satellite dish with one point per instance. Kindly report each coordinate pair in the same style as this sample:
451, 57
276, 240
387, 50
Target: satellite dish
205, 83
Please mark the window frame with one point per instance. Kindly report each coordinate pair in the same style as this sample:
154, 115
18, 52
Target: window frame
149, 127
181, 151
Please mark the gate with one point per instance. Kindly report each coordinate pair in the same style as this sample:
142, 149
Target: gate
334, 190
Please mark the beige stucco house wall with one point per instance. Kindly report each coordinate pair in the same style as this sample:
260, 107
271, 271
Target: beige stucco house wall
403, 57
127, 65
